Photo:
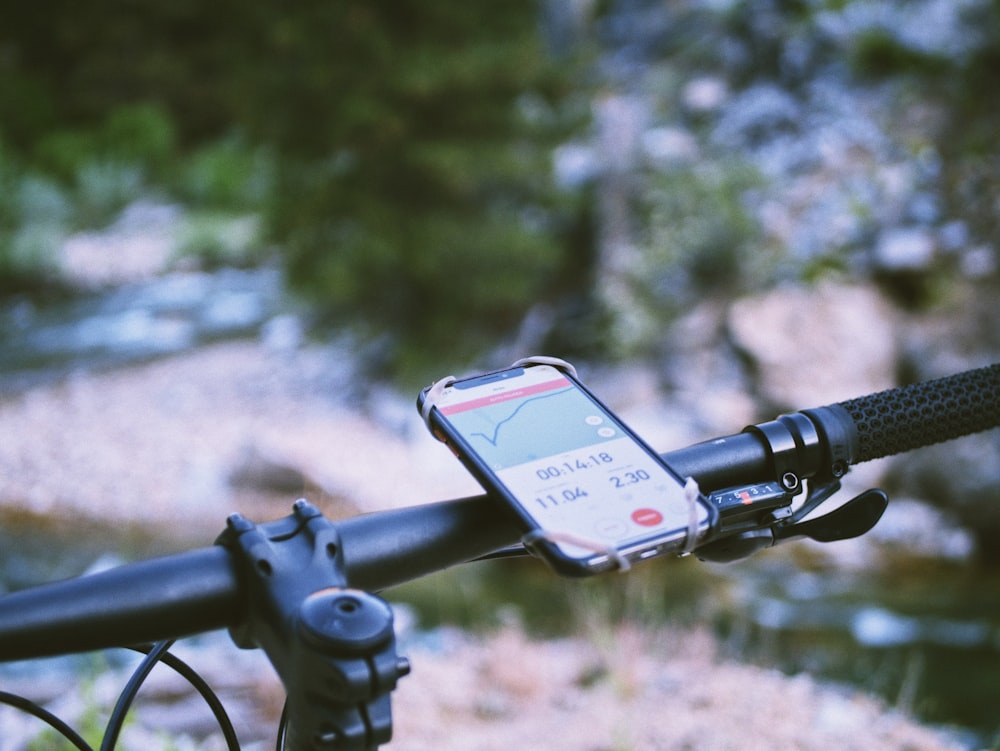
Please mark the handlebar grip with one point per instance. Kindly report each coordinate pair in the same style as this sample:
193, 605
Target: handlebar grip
910, 417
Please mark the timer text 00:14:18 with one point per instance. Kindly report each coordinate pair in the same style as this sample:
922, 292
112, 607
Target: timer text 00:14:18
568, 468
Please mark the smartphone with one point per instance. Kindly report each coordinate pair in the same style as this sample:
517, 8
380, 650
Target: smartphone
589, 491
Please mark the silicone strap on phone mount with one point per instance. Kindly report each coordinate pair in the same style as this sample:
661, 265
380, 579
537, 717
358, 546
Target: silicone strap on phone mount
433, 394
545, 360
438, 387
535, 536
692, 495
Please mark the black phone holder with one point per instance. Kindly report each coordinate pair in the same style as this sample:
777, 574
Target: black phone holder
333, 647
541, 541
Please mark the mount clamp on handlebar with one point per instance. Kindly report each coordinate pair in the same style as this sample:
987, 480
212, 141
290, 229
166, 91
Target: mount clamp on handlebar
332, 646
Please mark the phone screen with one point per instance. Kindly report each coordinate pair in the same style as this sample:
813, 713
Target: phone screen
568, 463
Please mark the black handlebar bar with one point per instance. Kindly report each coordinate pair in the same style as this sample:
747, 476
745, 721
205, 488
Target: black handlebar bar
201, 590
161, 598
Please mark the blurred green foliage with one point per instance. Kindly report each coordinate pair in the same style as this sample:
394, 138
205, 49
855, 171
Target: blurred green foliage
230, 173
968, 141
419, 198
139, 136
878, 53
397, 150
32, 212
215, 239
703, 237
398, 153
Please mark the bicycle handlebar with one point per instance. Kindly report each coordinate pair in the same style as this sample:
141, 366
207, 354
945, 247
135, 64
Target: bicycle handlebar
902, 419
201, 590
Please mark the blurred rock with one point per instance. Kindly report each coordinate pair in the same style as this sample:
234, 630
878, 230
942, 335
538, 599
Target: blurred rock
905, 249
958, 334
979, 262
254, 469
146, 446
138, 245
575, 165
670, 145
620, 122
809, 346
704, 94
704, 373
757, 114
505, 691
962, 477
918, 529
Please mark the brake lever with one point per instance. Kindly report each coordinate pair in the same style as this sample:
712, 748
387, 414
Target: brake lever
853, 519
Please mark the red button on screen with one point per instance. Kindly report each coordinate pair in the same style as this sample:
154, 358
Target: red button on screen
647, 517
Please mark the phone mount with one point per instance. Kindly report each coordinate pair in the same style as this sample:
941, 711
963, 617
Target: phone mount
333, 647
606, 557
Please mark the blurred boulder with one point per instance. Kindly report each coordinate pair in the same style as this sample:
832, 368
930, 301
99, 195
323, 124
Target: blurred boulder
905, 249
704, 374
256, 469
809, 346
960, 333
961, 477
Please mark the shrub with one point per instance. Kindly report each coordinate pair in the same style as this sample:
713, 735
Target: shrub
230, 173
216, 240
702, 236
103, 189
418, 201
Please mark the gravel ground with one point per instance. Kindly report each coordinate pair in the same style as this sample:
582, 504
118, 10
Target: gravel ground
613, 691
629, 690
172, 446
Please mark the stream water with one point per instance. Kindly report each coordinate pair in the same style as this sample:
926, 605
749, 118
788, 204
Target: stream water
923, 634
160, 316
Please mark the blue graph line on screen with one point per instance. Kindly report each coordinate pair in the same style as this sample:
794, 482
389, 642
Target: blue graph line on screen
492, 440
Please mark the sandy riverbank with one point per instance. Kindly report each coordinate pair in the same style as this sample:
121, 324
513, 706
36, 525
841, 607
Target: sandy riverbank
177, 444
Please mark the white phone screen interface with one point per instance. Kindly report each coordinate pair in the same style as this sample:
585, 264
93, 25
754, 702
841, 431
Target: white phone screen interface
566, 460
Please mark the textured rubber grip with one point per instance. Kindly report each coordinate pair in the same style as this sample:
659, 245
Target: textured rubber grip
906, 418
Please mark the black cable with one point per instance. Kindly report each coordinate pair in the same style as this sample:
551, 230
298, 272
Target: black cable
154, 654
128, 694
279, 744
30, 707
201, 685
159, 653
